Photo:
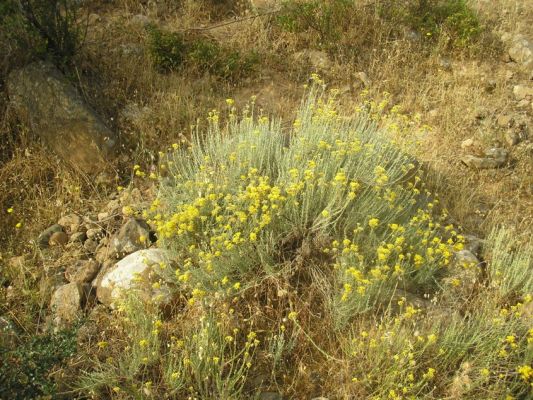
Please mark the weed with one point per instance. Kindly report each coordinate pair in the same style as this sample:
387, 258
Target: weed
24, 371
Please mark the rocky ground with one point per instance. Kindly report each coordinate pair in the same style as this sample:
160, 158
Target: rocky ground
111, 123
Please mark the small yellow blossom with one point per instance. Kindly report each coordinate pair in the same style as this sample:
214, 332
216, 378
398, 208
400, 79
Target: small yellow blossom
373, 222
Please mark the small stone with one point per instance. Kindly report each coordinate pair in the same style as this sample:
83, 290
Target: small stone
95, 233
465, 144
494, 158
71, 222
90, 245
82, 271
521, 92
58, 239
512, 138
44, 238
521, 51
78, 237
505, 121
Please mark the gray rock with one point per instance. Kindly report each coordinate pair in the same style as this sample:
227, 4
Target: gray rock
95, 233
521, 51
47, 102
133, 235
90, 245
495, 157
44, 238
473, 244
136, 271
82, 271
71, 222
465, 258
66, 304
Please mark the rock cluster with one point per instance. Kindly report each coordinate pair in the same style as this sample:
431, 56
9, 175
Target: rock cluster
114, 255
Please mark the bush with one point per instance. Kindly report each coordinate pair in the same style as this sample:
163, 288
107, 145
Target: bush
244, 203
43, 28
167, 49
450, 20
325, 17
170, 50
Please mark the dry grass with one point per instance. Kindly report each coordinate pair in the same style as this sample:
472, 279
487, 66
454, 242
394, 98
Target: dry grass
153, 110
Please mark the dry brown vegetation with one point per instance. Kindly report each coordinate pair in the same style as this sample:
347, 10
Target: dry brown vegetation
458, 91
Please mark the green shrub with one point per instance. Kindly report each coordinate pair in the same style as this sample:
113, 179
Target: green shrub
169, 51
325, 17
450, 20
24, 370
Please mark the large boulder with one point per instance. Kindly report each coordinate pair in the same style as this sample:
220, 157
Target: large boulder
137, 271
45, 100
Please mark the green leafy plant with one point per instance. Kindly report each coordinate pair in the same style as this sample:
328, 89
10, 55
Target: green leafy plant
450, 20
325, 17
167, 49
24, 369
171, 50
